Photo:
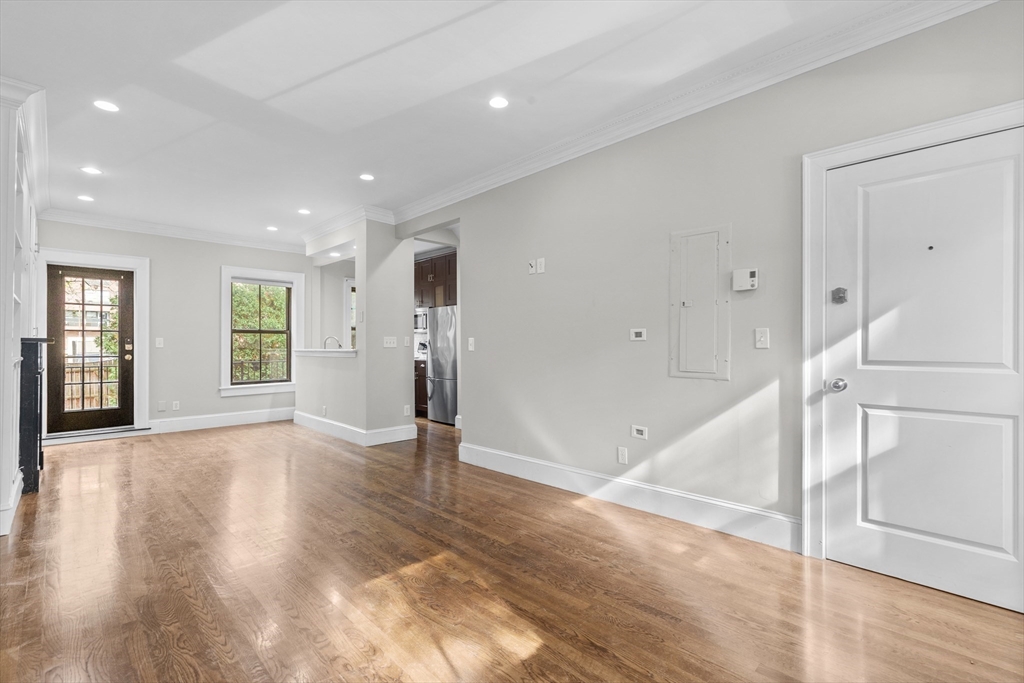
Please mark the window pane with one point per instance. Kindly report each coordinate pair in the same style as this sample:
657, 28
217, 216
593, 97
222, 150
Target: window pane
92, 291
92, 344
73, 290
236, 372
92, 317
275, 371
91, 371
275, 347
110, 345
110, 395
245, 346
73, 344
72, 317
251, 372
110, 369
245, 306
274, 308
91, 396
72, 397
72, 374
110, 289
110, 314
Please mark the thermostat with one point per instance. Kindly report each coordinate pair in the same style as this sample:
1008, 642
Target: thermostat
744, 279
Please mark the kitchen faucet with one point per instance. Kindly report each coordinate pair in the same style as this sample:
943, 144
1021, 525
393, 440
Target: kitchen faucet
336, 340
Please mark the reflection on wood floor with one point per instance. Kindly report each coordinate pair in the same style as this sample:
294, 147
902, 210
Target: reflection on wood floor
274, 553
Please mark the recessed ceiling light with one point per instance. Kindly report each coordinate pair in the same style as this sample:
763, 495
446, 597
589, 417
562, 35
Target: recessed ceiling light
92, 171
85, 198
334, 253
271, 228
499, 102
366, 176
106, 106
304, 212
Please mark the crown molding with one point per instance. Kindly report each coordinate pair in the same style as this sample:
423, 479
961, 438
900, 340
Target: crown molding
76, 218
343, 220
31, 101
889, 23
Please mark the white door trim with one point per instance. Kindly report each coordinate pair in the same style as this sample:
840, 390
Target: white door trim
815, 167
140, 266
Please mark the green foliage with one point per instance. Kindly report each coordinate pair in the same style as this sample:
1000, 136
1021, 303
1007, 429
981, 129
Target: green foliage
245, 306
274, 308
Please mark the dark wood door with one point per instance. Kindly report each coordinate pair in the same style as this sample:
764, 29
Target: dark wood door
90, 368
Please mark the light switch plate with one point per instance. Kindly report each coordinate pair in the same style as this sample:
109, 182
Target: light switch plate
159, 342
531, 267
161, 406
406, 341
472, 344
761, 338
390, 342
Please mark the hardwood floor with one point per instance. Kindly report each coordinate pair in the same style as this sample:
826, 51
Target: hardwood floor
274, 553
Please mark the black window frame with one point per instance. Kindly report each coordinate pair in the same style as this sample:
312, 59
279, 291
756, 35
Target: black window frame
260, 332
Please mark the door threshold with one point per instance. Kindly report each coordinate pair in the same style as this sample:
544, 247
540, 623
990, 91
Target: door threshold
93, 435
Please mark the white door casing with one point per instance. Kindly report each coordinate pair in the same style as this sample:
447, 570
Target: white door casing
923, 462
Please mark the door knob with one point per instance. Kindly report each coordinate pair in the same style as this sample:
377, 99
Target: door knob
838, 384
127, 356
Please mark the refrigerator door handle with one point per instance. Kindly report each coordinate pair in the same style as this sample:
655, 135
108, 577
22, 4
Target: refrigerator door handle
430, 388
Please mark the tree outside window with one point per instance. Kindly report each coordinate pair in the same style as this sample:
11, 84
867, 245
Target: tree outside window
260, 334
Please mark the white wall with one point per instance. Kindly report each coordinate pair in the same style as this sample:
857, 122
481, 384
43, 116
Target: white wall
554, 377
185, 311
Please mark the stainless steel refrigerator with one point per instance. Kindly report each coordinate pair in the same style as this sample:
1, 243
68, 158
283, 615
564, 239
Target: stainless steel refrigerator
442, 372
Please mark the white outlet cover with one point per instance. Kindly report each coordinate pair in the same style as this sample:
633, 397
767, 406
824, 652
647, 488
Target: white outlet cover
159, 342
638, 432
161, 406
540, 265
638, 334
176, 405
623, 455
406, 410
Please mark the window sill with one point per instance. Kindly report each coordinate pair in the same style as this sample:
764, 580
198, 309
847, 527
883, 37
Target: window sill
253, 389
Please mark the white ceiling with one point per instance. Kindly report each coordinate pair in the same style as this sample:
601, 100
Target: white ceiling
236, 114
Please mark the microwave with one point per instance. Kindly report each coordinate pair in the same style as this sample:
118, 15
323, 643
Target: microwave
419, 320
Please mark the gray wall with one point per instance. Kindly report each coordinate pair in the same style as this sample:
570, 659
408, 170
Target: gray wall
554, 377
185, 311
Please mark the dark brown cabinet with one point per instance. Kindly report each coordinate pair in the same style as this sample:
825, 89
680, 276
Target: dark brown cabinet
436, 281
421, 388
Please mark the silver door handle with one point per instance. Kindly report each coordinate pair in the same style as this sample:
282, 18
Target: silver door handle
838, 384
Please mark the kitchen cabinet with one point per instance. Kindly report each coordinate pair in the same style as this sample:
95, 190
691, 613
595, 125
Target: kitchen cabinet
421, 388
436, 281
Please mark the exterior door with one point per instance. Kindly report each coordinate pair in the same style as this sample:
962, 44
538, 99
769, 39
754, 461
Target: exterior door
90, 379
923, 396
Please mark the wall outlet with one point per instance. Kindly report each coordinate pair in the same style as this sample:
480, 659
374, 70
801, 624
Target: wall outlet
638, 334
323, 411
540, 265
638, 432
406, 341
175, 405
161, 406
472, 344
159, 342
761, 338
623, 455
531, 267
390, 342
406, 411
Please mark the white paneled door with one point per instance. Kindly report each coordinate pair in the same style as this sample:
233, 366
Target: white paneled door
923, 361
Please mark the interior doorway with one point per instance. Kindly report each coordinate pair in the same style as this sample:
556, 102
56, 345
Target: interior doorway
919, 400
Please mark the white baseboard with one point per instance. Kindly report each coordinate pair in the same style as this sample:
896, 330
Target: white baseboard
755, 524
7, 514
360, 437
246, 417
458, 422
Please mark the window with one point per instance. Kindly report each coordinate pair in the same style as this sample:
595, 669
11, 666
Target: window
260, 333
261, 325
